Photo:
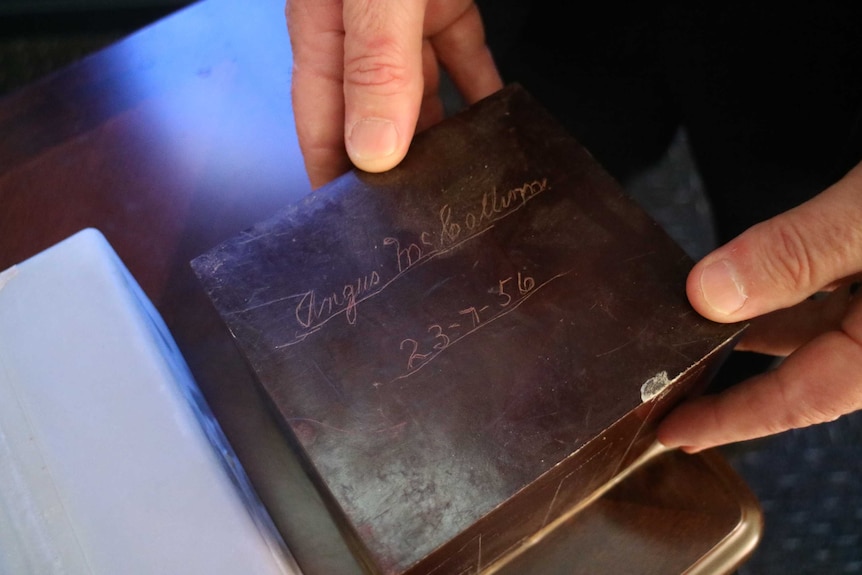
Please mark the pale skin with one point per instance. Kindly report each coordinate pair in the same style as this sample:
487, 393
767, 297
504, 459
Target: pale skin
365, 79
366, 76
767, 275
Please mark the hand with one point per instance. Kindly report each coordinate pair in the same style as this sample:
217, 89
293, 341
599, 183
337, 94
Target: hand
366, 76
769, 273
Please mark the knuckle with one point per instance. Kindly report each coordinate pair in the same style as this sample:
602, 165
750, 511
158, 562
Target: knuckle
812, 412
806, 402
791, 263
779, 412
380, 66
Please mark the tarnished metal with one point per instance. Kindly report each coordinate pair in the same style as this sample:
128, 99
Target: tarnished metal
466, 346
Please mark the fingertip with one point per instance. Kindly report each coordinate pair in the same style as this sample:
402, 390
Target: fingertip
665, 438
717, 290
669, 442
688, 449
324, 166
682, 428
374, 144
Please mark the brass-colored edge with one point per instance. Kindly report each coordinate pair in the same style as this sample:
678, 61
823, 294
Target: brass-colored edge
651, 452
727, 555
738, 545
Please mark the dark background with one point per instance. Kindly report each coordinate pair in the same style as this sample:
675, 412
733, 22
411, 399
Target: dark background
40, 36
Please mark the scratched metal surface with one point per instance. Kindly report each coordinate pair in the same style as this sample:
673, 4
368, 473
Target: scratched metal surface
443, 342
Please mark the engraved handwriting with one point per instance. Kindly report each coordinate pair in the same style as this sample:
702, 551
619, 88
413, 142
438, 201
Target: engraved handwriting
494, 206
404, 257
312, 308
455, 227
420, 353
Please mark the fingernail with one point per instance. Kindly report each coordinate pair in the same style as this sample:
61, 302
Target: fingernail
721, 287
372, 138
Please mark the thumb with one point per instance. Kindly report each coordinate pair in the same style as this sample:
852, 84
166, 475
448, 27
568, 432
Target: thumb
383, 81
782, 261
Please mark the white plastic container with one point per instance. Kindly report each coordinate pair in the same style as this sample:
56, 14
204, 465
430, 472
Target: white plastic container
110, 461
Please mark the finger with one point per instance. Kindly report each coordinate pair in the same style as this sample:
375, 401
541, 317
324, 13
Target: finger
783, 331
461, 48
819, 382
317, 40
431, 110
383, 79
782, 261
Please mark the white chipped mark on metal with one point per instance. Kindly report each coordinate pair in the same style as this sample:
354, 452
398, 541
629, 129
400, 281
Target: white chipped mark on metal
7, 275
655, 385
